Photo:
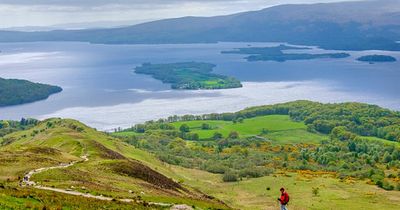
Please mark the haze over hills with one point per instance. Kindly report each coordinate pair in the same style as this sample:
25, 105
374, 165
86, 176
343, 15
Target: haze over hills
346, 25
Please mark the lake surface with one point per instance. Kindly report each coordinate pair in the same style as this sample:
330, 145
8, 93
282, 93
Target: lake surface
101, 89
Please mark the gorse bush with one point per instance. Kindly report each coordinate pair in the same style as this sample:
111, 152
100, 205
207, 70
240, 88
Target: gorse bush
229, 177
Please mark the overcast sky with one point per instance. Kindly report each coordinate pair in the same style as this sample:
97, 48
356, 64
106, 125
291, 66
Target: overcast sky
15, 13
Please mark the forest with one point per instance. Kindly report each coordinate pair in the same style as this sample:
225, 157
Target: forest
14, 91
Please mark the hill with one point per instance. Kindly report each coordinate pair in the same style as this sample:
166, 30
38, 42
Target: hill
359, 25
257, 151
310, 147
76, 167
14, 91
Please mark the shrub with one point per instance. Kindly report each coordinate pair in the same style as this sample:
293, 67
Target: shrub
217, 136
184, 128
315, 191
229, 177
233, 135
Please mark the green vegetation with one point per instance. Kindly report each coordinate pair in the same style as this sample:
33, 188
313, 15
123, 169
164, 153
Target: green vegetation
273, 127
377, 58
257, 141
277, 54
334, 193
358, 118
13, 91
215, 161
9, 126
114, 169
190, 75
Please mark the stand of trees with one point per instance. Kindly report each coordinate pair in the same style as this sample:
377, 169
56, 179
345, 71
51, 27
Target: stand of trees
13, 91
358, 118
9, 126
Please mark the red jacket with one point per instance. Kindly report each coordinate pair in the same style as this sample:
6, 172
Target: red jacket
284, 198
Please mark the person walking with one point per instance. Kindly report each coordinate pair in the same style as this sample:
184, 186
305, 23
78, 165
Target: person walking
284, 199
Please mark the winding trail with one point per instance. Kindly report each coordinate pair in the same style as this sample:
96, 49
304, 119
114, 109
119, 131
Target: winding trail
28, 182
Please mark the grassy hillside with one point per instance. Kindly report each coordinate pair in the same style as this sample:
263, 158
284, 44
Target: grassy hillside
278, 128
118, 170
333, 193
13, 91
329, 156
114, 169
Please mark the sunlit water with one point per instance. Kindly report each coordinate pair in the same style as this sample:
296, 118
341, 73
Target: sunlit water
100, 88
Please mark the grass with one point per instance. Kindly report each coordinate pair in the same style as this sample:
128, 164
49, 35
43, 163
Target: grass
98, 178
67, 140
385, 141
252, 194
281, 129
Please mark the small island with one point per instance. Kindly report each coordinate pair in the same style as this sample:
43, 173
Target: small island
277, 54
14, 91
377, 58
188, 75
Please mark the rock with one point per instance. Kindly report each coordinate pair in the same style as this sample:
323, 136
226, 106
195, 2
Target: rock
130, 191
181, 207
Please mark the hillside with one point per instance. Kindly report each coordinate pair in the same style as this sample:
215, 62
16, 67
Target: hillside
238, 160
14, 91
359, 25
345, 153
121, 176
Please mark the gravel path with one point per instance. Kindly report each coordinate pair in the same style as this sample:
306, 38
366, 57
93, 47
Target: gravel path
28, 182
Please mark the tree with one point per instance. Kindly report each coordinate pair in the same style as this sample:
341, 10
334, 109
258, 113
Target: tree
217, 136
184, 128
205, 126
387, 157
264, 131
195, 137
233, 135
229, 177
4, 124
315, 191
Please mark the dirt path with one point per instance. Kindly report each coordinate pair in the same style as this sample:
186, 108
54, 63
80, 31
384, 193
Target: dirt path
28, 182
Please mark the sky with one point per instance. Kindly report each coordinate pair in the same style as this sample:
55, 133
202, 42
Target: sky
93, 13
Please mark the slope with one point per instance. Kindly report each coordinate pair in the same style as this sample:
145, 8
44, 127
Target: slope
111, 171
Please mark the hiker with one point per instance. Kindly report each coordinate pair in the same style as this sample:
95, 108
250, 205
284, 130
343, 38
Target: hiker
284, 199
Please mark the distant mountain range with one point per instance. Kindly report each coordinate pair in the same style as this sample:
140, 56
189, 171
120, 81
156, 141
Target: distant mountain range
361, 25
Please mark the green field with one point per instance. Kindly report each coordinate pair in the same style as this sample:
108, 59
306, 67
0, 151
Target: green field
280, 129
252, 194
